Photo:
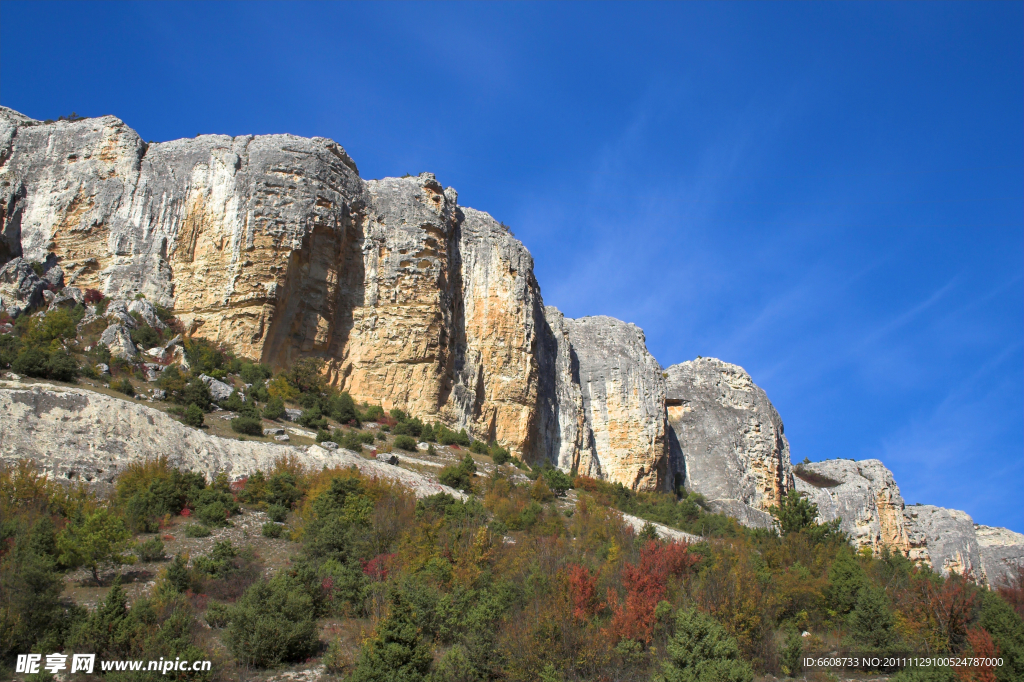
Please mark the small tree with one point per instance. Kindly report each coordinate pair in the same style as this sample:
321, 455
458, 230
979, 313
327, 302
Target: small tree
101, 538
194, 416
702, 651
872, 629
397, 653
794, 513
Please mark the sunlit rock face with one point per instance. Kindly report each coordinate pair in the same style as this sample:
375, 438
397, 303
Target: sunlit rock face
944, 539
623, 401
863, 495
1002, 553
275, 247
726, 438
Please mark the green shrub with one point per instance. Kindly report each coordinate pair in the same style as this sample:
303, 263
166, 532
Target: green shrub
277, 513
373, 413
405, 443
194, 416
250, 426
233, 402
145, 336
459, 476
702, 651
342, 409
124, 386
274, 409
272, 623
254, 374
557, 481
272, 530
217, 614
150, 550
195, 530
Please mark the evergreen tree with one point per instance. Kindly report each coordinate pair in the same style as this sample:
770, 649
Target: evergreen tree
702, 651
845, 580
1007, 631
872, 630
397, 653
101, 538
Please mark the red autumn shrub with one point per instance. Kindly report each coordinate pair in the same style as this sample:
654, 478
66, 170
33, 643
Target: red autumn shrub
92, 296
646, 584
378, 567
582, 592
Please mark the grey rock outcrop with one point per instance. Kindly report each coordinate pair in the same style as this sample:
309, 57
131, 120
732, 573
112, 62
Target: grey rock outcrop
863, 495
80, 435
218, 389
147, 311
944, 539
623, 403
727, 441
117, 311
68, 298
119, 342
1002, 553
20, 287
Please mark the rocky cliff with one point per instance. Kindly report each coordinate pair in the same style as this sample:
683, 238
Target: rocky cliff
863, 495
275, 247
80, 435
726, 438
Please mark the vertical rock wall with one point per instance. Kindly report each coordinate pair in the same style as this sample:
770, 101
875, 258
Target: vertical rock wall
726, 438
623, 403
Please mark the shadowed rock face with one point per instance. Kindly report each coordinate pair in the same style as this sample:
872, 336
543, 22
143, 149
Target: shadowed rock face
726, 437
274, 246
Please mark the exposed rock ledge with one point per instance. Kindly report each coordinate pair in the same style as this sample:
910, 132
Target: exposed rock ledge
76, 434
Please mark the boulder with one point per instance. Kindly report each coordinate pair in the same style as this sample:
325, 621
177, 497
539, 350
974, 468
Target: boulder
283, 438
159, 394
273, 432
20, 287
387, 458
148, 313
292, 415
328, 445
152, 371
68, 297
119, 310
119, 342
54, 276
102, 368
218, 389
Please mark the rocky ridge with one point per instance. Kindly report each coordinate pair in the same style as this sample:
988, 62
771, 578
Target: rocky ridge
273, 245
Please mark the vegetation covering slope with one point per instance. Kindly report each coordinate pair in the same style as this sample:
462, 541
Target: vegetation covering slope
511, 584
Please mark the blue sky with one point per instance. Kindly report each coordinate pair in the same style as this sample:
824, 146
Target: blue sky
829, 195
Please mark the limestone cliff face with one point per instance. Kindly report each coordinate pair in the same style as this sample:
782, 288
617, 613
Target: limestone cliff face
1002, 553
726, 438
866, 499
274, 246
944, 539
623, 403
